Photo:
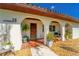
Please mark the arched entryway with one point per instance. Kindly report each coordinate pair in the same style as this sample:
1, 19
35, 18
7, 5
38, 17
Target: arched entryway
55, 28
35, 29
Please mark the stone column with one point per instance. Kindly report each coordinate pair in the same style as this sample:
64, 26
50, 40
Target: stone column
15, 36
63, 31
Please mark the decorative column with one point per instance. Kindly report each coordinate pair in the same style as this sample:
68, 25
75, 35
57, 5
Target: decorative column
46, 31
15, 36
63, 31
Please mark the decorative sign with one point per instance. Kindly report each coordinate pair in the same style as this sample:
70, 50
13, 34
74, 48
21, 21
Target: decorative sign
14, 20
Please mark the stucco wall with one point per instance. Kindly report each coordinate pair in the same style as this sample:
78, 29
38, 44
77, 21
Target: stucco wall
75, 31
8, 14
15, 36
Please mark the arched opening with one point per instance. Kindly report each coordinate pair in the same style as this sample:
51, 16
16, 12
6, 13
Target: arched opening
32, 29
68, 31
55, 28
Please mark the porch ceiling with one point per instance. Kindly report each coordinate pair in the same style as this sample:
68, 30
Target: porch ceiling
31, 10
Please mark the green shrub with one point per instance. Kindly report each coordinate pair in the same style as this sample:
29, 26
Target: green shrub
68, 34
24, 27
50, 36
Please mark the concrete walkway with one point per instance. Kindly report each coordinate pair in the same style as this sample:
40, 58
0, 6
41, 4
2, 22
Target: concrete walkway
42, 51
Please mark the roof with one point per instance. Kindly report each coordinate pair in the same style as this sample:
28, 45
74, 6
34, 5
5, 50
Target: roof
22, 7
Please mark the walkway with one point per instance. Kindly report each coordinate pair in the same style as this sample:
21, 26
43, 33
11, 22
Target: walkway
42, 51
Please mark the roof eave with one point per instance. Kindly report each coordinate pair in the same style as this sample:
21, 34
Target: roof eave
25, 9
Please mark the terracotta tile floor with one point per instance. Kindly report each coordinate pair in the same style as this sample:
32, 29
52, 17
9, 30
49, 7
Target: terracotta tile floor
38, 49
31, 44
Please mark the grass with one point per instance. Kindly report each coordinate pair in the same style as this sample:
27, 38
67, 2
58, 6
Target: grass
22, 52
66, 48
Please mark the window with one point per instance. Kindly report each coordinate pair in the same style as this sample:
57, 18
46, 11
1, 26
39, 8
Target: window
53, 28
50, 28
42, 28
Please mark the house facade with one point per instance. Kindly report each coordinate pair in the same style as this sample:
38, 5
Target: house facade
40, 22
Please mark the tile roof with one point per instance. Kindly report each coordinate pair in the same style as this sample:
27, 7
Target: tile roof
32, 9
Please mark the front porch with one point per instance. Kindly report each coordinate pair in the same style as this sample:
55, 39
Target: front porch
38, 29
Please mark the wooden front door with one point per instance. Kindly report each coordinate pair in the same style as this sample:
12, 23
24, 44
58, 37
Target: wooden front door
33, 31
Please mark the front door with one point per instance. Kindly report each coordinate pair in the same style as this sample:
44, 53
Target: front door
33, 31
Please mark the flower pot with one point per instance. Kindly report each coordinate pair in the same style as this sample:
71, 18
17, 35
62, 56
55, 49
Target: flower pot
49, 43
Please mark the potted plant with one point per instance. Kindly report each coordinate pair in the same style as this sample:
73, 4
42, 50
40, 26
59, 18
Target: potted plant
25, 38
50, 38
68, 34
24, 28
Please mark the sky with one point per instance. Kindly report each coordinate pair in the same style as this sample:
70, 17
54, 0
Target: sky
70, 9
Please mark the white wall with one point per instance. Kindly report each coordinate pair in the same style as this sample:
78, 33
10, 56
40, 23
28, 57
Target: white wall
75, 31
15, 36
8, 14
